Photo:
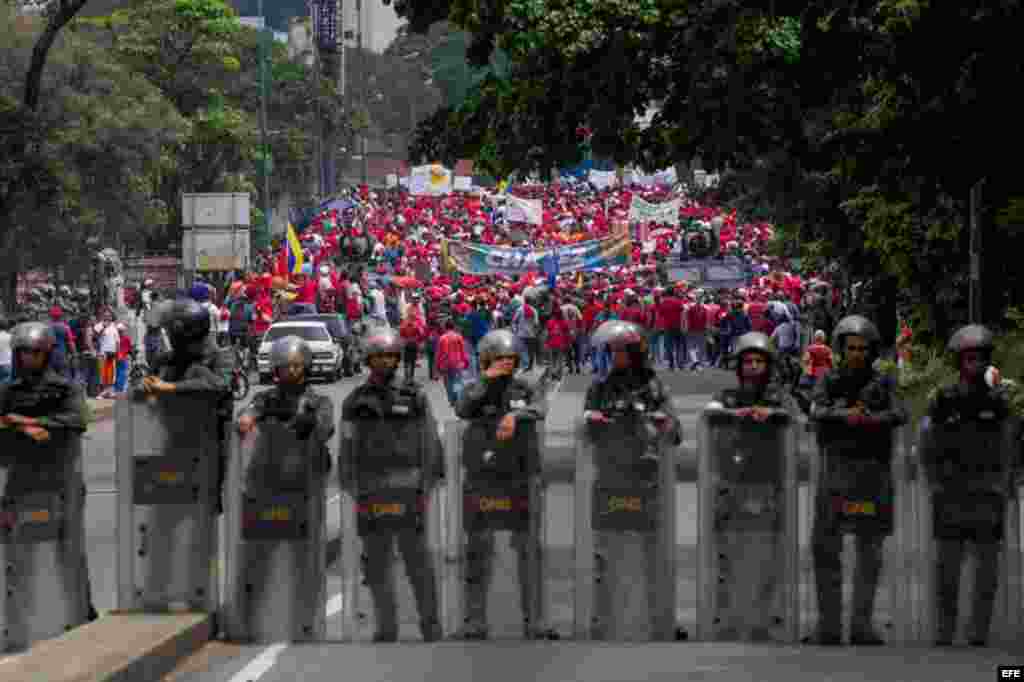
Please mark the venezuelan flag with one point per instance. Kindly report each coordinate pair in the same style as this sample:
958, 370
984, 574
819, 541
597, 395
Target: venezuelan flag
293, 252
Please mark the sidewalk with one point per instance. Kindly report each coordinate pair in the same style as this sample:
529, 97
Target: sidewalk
101, 408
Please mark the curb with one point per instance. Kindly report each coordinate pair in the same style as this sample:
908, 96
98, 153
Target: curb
103, 412
120, 647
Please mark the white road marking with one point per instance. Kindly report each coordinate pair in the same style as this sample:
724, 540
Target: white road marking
259, 665
335, 604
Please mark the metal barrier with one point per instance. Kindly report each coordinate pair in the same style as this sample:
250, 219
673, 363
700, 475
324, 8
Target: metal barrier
167, 452
495, 492
276, 577
625, 530
748, 576
42, 584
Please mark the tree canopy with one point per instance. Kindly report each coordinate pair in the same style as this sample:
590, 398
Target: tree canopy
859, 128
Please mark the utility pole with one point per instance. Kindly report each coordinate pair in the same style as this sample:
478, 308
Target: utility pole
362, 77
264, 56
976, 243
317, 65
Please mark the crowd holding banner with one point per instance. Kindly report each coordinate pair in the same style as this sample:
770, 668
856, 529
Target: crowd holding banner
595, 251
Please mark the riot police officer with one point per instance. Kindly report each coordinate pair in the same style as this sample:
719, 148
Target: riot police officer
402, 450
194, 365
292, 399
757, 398
969, 488
633, 399
39, 400
856, 414
500, 450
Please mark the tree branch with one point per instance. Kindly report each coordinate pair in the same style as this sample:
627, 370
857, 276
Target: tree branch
34, 77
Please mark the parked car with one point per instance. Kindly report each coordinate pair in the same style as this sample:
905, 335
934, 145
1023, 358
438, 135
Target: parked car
327, 352
342, 333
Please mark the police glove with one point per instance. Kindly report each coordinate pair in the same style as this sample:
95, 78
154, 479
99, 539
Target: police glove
368, 407
304, 424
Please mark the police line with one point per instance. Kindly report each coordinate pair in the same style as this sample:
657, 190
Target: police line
469, 520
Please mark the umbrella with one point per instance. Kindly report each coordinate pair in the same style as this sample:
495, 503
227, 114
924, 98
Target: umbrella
406, 282
610, 329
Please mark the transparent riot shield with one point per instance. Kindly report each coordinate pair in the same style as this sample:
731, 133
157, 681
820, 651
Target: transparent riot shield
625, 530
866, 498
391, 529
42, 584
167, 459
276, 580
965, 485
748, 580
495, 538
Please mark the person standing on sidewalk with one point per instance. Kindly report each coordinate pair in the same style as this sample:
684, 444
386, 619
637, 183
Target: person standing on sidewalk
124, 352
60, 360
526, 327
670, 313
109, 341
559, 340
6, 357
696, 334
452, 361
413, 332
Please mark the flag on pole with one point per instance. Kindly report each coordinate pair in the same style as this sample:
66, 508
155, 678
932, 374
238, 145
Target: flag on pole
293, 252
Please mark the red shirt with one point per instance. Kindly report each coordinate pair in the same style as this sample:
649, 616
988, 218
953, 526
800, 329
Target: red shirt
821, 359
124, 349
558, 334
307, 292
589, 313
635, 314
670, 310
697, 319
762, 324
451, 352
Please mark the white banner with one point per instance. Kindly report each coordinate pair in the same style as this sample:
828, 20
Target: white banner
432, 180
403, 182
419, 184
463, 183
525, 210
603, 179
391, 180
641, 211
666, 177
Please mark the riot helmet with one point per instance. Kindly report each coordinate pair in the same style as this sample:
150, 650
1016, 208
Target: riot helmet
187, 323
383, 351
856, 325
973, 337
287, 355
34, 337
754, 343
500, 343
620, 335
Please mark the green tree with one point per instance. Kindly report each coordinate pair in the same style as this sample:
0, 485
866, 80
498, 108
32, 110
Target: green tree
100, 136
